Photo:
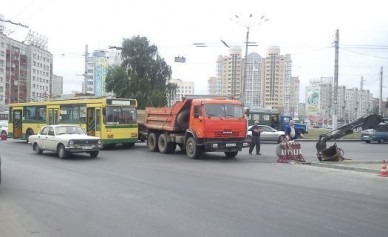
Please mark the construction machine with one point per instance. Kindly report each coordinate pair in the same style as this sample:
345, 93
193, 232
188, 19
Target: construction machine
333, 153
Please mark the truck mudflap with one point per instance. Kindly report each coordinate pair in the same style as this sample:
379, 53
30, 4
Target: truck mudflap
223, 146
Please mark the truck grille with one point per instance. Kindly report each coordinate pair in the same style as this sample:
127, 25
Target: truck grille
226, 134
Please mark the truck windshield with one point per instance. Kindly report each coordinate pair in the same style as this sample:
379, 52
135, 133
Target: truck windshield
224, 110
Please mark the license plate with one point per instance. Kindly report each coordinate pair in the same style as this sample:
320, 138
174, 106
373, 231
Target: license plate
230, 144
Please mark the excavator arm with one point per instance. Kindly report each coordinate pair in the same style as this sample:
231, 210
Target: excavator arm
366, 122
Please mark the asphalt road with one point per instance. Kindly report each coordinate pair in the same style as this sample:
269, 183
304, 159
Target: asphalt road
134, 192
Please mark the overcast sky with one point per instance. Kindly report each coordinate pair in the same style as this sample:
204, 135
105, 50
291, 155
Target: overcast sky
303, 28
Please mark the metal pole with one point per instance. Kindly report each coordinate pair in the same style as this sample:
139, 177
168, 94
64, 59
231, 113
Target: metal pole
335, 94
86, 69
242, 94
381, 92
9, 78
361, 99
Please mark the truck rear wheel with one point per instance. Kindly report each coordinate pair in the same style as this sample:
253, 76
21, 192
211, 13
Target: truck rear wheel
152, 141
231, 154
192, 150
163, 144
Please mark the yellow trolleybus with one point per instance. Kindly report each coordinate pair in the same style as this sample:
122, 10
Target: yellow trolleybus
111, 119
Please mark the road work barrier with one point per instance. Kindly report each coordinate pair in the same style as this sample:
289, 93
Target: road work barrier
383, 170
289, 151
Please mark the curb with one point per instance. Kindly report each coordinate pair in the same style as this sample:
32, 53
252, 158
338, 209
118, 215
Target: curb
349, 165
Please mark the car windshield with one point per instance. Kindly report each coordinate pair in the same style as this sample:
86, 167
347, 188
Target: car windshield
69, 130
224, 110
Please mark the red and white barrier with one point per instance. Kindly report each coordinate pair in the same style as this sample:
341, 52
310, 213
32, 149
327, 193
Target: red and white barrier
287, 151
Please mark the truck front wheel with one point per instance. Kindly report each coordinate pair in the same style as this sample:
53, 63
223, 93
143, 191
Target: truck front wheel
192, 150
152, 142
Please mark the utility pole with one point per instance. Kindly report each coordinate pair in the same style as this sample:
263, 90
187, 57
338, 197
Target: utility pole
86, 70
247, 44
361, 98
242, 94
381, 93
335, 94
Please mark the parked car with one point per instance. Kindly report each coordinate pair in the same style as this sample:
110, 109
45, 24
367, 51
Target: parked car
64, 140
379, 134
268, 134
3, 129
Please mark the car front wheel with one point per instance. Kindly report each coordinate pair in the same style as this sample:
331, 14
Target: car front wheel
62, 153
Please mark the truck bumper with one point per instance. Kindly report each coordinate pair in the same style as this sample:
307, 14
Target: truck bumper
225, 145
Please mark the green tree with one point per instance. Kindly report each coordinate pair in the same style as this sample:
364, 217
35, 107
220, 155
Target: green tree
143, 74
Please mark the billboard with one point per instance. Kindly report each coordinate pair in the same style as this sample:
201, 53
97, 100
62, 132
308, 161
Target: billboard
101, 69
312, 100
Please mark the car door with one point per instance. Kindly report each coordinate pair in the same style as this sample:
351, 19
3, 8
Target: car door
267, 134
40, 137
50, 140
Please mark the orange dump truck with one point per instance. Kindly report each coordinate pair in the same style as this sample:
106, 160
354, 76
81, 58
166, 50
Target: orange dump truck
196, 125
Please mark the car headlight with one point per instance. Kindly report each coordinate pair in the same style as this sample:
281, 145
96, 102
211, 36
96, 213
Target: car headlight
99, 142
71, 142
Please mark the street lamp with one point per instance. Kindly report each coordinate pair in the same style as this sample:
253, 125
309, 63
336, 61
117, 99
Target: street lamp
247, 44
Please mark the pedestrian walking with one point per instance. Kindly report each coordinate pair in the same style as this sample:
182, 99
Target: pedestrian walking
256, 131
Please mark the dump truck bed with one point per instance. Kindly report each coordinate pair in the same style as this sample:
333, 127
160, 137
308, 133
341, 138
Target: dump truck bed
167, 118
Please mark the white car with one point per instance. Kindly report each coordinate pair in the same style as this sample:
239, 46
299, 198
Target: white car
268, 134
65, 139
4, 128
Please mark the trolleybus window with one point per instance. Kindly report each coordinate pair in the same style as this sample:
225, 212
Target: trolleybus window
35, 113
119, 115
73, 113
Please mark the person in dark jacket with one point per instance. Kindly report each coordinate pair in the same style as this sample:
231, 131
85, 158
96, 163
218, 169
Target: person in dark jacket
291, 132
255, 129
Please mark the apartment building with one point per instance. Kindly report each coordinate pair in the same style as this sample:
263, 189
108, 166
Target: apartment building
57, 86
276, 80
25, 70
267, 81
294, 96
183, 88
212, 86
253, 80
231, 73
97, 65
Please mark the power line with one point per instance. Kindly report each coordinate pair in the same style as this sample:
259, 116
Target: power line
351, 51
365, 46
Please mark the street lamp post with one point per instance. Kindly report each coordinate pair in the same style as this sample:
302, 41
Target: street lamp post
248, 26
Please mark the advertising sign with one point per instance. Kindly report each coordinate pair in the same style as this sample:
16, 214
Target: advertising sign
312, 100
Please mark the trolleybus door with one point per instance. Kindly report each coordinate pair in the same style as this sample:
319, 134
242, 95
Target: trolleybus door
53, 116
17, 123
93, 126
